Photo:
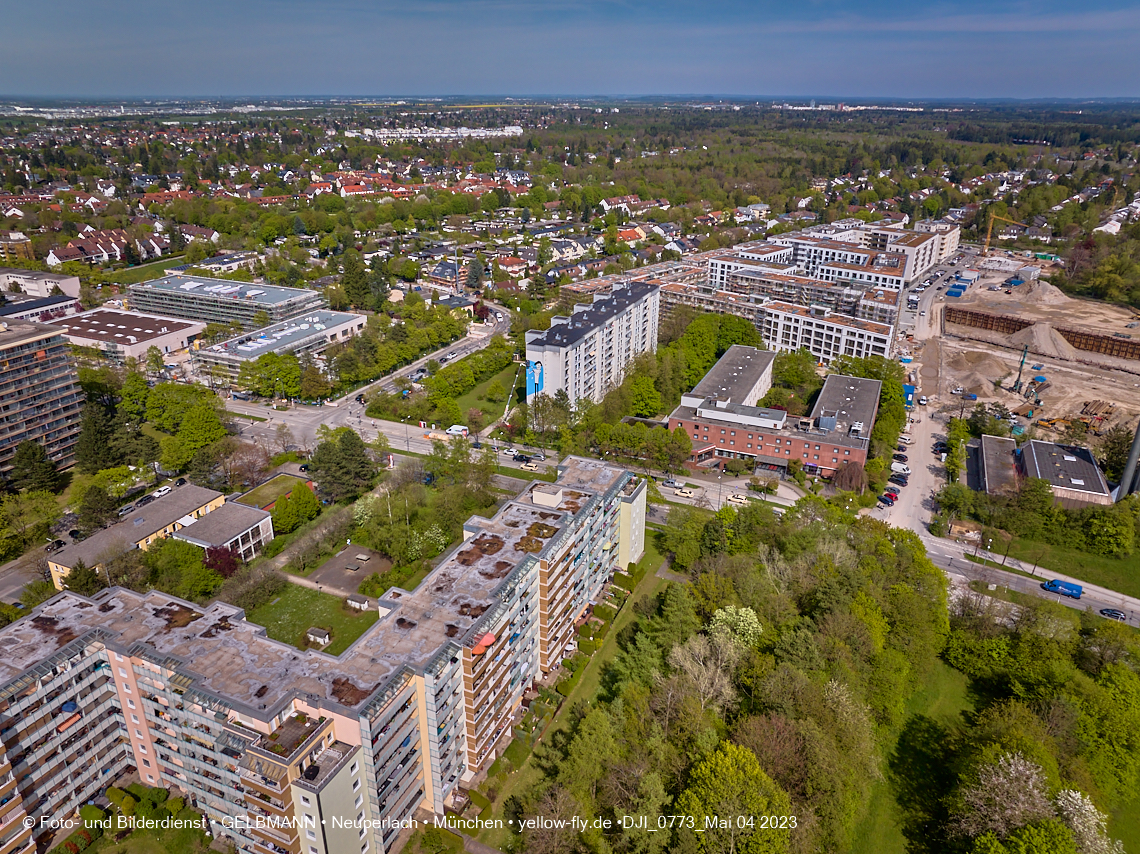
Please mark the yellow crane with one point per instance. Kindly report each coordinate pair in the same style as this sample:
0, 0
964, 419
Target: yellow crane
990, 228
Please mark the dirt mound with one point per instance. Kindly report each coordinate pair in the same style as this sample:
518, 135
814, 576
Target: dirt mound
1044, 340
978, 383
1043, 293
977, 362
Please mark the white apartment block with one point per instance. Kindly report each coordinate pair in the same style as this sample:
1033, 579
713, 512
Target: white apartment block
760, 257
948, 233
586, 354
825, 335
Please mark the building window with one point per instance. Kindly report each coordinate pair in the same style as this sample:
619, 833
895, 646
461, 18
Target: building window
311, 835
142, 748
359, 800
355, 785
150, 778
146, 763
846, 453
122, 673
814, 456
305, 801
354, 768
817, 447
130, 703
126, 688
138, 734
134, 719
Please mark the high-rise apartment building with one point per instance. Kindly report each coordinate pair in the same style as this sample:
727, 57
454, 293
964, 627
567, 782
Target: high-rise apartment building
586, 354
290, 751
40, 398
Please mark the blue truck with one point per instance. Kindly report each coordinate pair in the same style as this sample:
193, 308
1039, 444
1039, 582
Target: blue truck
1064, 588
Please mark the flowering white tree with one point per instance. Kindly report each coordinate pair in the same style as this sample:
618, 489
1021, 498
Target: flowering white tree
1088, 824
741, 623
1007, 794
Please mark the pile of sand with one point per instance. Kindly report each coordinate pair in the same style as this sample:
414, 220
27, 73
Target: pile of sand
978, 383
1043, 293
1044, 340
980, 363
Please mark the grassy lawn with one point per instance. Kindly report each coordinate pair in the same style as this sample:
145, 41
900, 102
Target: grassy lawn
145, 272
1124, 824
288, 617
942, 700
269, 491
493, 411
186, 840
530, 774
1114, 573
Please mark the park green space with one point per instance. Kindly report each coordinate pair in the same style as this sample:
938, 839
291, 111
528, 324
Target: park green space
145, 272
297, 609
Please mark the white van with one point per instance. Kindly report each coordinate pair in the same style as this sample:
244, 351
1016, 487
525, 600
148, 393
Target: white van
905, 439
900, 468
457, 430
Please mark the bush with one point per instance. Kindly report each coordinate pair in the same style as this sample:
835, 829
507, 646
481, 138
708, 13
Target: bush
605, 613
624, 582
517, 752
587, 647
479, 800
567, 685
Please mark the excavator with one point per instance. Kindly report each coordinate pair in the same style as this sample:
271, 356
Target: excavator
1016, 387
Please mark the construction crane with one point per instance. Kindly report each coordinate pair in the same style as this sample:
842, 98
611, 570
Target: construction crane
1017, 384
990, 229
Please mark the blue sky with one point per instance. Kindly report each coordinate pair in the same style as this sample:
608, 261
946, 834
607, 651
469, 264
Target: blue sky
823, 48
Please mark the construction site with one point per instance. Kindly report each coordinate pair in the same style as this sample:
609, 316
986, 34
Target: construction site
1047, 357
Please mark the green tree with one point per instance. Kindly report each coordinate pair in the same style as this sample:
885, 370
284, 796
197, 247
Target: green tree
154, 360
727, 785
588, 755
200, 427
314, 386
645, 400
97, 508
284, 516
1113, 451
133, 402
341, 465
95, 449
354, 281
305, 503
32, 470
84, 580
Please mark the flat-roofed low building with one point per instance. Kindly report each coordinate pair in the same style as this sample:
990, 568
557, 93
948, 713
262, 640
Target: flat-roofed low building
998, 465
39, 309
36, 283
138, 530
245, 530
1071, 471
310, 333
823, 333
742, 375
122, 335
222, 300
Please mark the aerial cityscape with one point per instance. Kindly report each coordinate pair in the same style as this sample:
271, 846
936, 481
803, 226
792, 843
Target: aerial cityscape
467, 468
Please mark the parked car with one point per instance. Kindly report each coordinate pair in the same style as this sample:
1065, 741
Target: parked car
303, 467
54, 546
738, 498
898, 479
162, 490
940, 447
683, 493
75, 534
539, 455
529, 467
123, 511
180, 482
893, 490
476, 444
922, 401
886, 501
510, 451
901, 458
521, 458
360, 398
900, 448
1114, 614
144, 501
669, 482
